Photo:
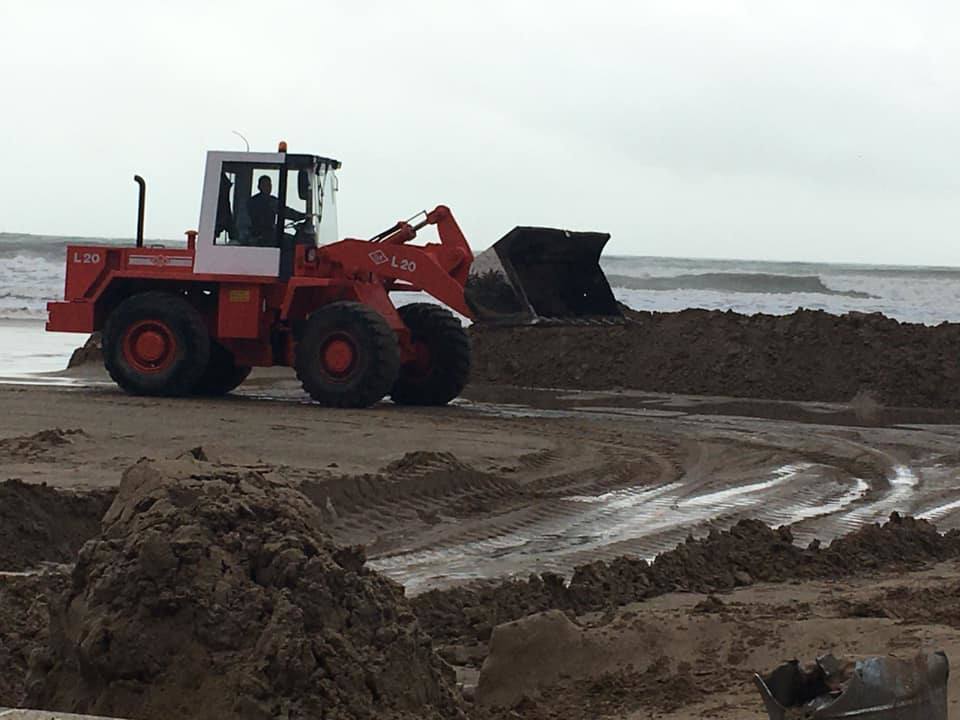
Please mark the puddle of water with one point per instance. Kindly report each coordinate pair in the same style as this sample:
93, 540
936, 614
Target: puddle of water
714, 499
900, 497
629, 412
646, 519
943, 477
904, 477
856, 493
627, 497
939, 511
53, 381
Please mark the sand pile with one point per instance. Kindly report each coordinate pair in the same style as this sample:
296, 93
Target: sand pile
39, 523
28, 447
939, 604
807, 355
610, 695
584, 668
91, 352
215, 594
24, 623
749, 552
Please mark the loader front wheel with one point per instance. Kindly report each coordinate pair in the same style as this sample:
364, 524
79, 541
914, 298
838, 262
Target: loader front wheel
441, 367
348, 356
222, 374
155, 343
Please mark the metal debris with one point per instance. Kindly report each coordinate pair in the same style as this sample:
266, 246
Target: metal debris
873, 688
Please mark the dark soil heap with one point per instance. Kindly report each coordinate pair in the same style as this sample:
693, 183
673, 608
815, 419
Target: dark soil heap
213, 594
807, 355
748, 552
90, 353
39, 523
24, 624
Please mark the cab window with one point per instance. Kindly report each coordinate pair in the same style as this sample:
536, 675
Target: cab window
247, 206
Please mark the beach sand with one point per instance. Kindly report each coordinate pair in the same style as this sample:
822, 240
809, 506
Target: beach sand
508, 482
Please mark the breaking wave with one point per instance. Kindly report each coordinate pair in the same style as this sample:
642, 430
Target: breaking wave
736, 282
32, 272
46, 247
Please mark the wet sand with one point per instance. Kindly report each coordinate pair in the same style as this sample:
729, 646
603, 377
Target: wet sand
507, 482
488, 488
25, 347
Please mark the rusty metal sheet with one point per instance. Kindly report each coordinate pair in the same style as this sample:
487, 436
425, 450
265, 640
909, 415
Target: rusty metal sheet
873, 688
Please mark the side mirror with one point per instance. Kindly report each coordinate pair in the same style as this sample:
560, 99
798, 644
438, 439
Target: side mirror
303, 184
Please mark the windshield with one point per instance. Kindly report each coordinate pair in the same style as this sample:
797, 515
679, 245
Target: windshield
325, 204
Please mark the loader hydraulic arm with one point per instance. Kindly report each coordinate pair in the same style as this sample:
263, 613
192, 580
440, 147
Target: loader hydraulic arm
440, 269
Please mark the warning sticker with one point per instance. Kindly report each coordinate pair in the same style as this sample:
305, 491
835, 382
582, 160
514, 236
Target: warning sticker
239, 296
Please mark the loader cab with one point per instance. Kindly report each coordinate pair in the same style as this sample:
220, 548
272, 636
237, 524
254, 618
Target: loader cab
257, 207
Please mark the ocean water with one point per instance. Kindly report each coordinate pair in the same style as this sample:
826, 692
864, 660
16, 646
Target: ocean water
928, 295
32, 273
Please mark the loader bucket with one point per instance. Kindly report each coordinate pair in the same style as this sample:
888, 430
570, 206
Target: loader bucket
534, 275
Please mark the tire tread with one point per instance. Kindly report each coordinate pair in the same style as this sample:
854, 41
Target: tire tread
382, 371
447, 381
183, 317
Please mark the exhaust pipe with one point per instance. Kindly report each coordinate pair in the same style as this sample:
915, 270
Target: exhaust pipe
143, 198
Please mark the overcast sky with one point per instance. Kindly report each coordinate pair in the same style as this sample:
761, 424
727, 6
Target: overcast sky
795, 130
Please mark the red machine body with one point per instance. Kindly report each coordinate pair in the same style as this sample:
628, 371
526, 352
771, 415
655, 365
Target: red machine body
256, 318
266, 280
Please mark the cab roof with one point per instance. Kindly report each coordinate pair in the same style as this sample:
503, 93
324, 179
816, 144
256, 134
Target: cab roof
303, 162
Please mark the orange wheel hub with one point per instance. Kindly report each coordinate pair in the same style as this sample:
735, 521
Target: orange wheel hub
339, 355
149, 346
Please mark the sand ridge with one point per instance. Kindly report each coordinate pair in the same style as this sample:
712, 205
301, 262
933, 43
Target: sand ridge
806, 355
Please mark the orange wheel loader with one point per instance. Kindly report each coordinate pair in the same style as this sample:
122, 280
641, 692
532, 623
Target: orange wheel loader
264, 280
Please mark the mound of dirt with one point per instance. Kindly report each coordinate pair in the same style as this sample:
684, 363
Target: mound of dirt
612, 695
921, 605
750, 551
807, 355
617, 694
39, 523
24, 623
90, 353
746, 553
27, 447
547, 666
470, 612
215, 593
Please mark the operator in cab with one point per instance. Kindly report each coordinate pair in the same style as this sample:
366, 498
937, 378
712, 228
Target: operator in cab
262, 209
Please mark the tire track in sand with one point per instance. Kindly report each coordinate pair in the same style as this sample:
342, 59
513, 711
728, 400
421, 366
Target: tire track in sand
824, 486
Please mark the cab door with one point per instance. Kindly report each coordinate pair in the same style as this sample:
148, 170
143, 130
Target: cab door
235, 235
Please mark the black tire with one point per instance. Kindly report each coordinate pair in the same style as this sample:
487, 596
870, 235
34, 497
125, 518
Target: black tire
222, 373
348, 356
446, 370
155, 343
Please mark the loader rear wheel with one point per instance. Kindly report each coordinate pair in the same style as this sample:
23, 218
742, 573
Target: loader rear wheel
222, 373
442, 365
155, 343
348, 356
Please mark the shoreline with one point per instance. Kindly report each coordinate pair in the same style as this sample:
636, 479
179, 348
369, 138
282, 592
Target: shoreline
26, 347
